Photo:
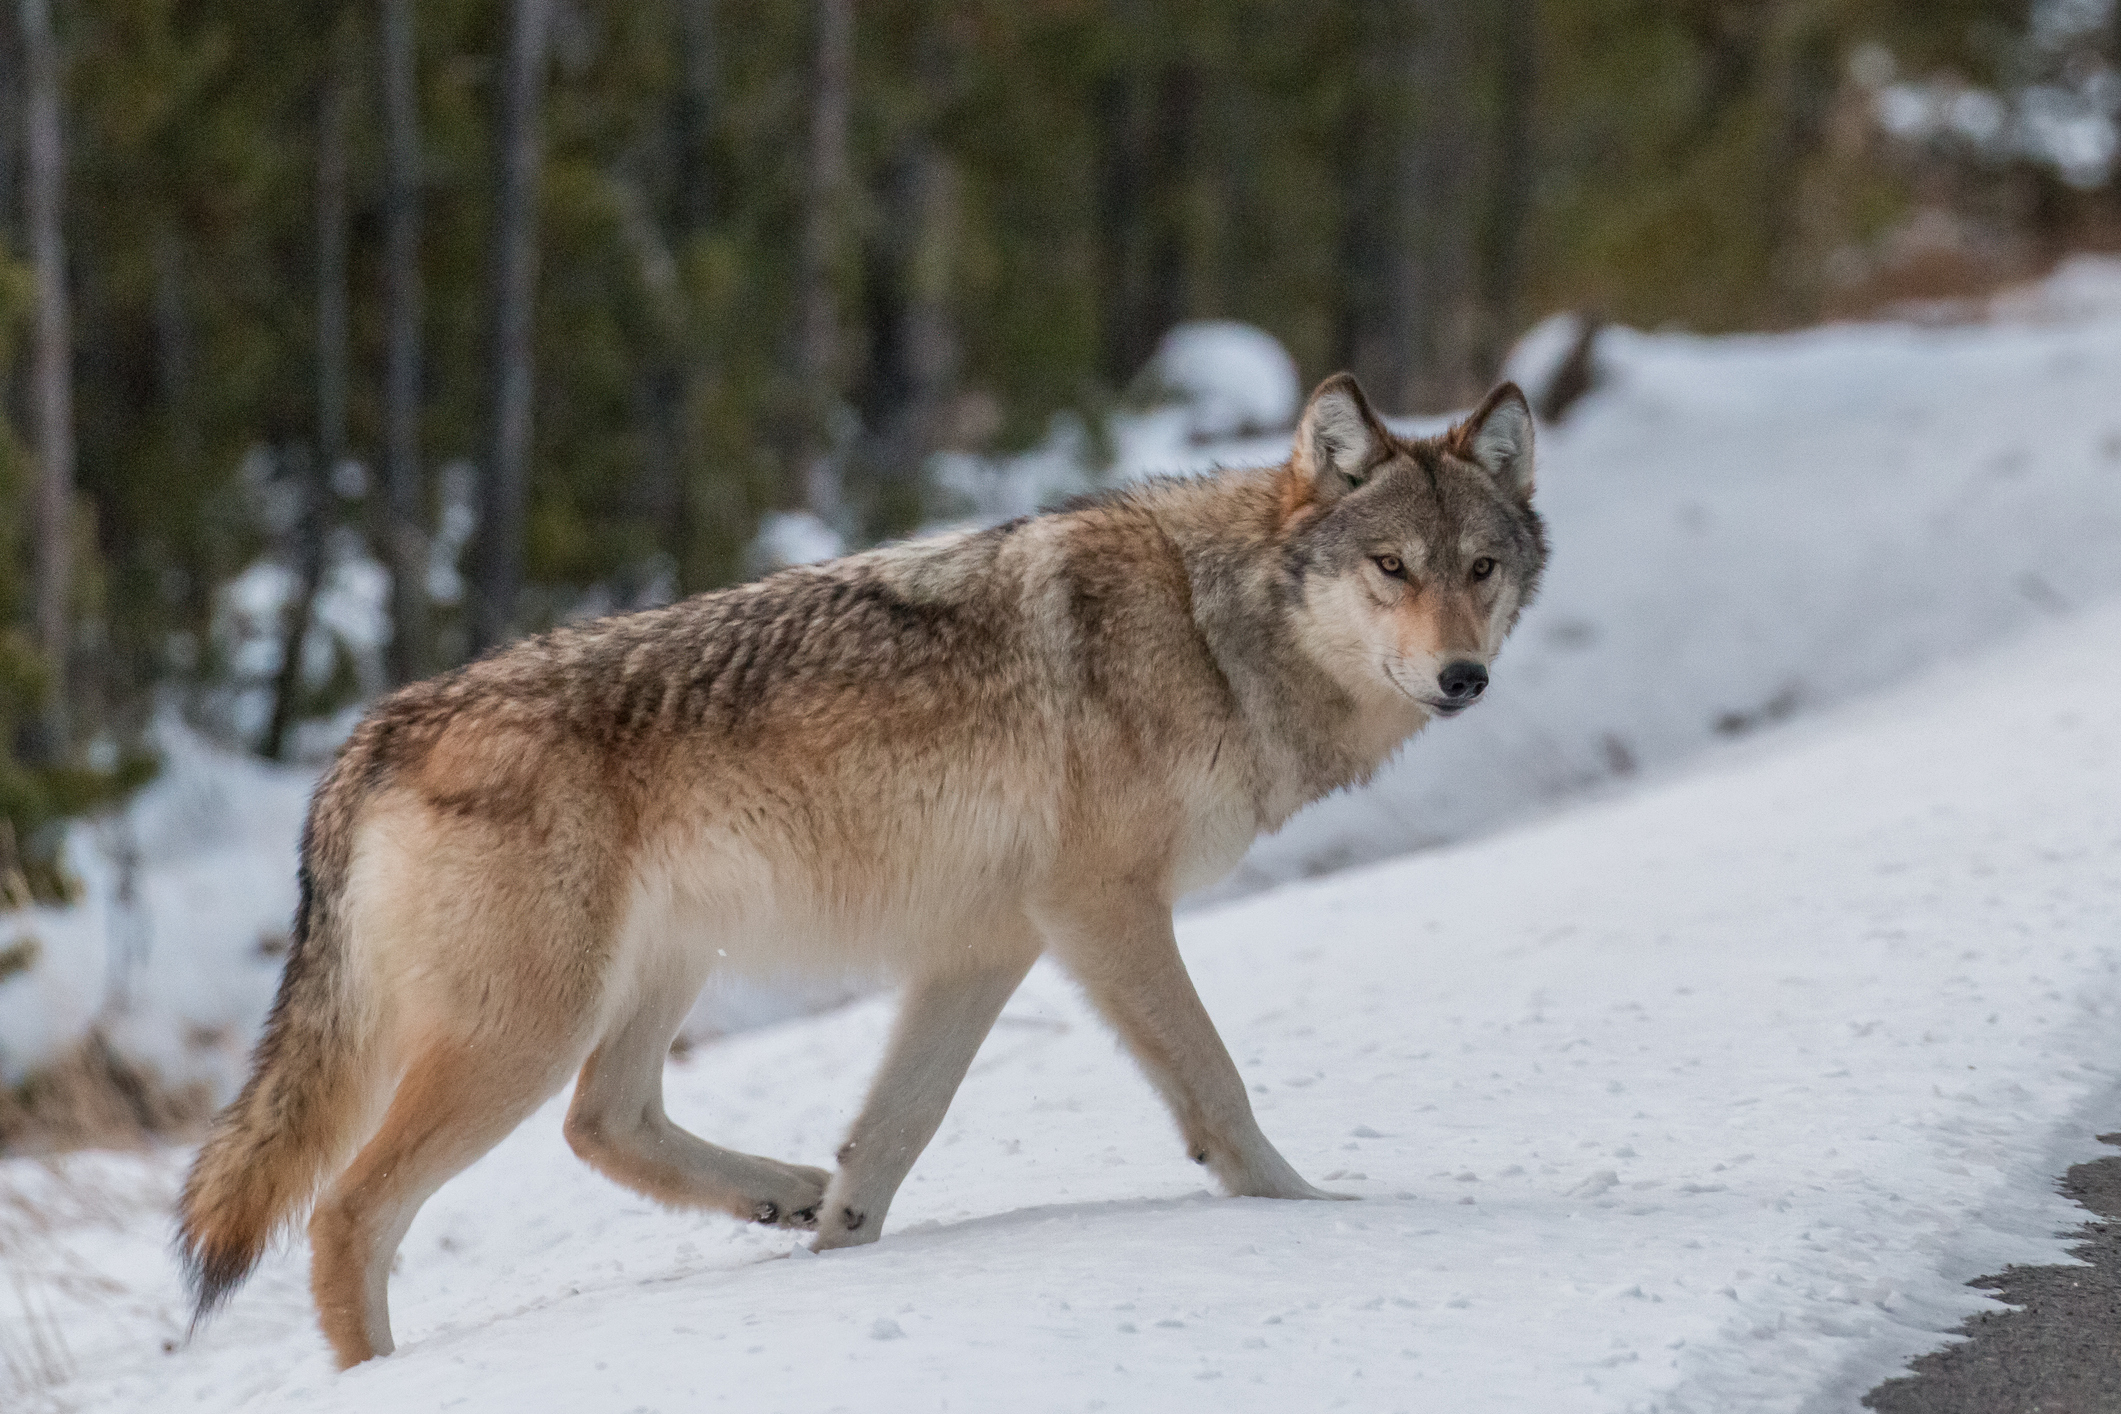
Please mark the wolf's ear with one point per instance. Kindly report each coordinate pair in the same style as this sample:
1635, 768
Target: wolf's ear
1338, 438
1498, 436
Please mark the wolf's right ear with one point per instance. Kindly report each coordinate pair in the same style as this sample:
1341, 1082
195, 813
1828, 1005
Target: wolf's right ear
1498, 436
1338, 439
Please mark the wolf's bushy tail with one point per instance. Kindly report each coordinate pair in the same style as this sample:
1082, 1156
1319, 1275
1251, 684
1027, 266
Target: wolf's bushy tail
308, 1087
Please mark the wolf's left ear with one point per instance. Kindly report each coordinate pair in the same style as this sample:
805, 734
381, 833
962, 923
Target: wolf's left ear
1339, 438
1498, 436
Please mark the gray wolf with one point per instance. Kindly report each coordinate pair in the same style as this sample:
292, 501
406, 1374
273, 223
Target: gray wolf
936, 761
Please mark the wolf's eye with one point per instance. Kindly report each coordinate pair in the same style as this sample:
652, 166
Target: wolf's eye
1392, 565
1483, 567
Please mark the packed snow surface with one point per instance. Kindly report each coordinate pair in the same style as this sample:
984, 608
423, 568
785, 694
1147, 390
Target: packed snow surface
1708, 1096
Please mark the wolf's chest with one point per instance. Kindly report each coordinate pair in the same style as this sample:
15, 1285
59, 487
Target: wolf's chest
1219, 823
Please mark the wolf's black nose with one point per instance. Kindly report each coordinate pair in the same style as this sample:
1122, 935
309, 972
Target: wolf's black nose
1462, 681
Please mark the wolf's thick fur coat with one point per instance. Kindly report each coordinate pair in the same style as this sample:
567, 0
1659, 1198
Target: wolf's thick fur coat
935, 760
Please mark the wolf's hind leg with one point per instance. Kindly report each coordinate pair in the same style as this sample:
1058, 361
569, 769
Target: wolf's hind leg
940, 1026
1123, 952
617, 1125
454, 1103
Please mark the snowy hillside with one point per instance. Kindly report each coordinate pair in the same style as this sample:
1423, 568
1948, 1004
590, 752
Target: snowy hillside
1707, 1097
1749, 528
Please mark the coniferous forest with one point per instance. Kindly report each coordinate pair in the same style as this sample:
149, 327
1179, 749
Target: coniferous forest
537, 306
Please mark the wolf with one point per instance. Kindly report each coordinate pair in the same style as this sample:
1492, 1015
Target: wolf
935, 761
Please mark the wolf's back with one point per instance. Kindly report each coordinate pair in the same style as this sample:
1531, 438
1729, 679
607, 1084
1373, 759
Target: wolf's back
309, 1075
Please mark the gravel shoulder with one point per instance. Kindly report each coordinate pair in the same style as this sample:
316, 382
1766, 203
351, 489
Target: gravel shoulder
2059, 1352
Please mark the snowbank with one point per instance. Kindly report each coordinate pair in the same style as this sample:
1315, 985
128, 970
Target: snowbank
1231, 379
793, 538
1707, 1098
181, 975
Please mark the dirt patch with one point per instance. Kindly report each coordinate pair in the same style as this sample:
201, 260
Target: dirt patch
2059, 1352
94, 1098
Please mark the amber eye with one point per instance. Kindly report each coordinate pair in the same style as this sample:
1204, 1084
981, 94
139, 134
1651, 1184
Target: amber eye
1392, 565
1483, 567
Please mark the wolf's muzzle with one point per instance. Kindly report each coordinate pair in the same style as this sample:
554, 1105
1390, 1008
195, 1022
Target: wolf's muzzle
1462, 682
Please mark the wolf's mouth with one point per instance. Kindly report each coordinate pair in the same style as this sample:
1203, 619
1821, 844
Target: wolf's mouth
1445, 709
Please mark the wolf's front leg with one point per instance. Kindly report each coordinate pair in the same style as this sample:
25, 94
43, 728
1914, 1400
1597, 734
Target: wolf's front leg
1122, 950
940, 1026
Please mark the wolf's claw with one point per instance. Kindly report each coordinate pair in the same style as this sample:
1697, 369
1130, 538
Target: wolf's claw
769, 1214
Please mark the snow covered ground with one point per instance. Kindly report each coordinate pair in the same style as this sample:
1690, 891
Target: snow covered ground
1706, 1096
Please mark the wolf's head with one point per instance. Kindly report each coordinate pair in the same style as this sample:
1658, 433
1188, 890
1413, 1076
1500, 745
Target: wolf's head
1412, 557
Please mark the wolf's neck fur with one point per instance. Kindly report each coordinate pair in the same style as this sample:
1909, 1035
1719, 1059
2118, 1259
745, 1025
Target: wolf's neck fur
1236, 532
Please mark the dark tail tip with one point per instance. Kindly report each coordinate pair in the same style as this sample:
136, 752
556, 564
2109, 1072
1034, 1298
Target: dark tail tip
212, 1272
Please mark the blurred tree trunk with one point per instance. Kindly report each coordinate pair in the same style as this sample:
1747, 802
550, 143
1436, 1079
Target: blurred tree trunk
913, 348
1509, 202
1412, 221
682, 379
1119, 205
812, 481
662, 388
694, 115
402, 521
1172, 279
318, 468
1437, 184
175, 349
1807, 70
1148, 123
922, 350
14, 124
52, 363
1376, 329
505, 483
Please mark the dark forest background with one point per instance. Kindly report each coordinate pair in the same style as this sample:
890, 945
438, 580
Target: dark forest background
542, 304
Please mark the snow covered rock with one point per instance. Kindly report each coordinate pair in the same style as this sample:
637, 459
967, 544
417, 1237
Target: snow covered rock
793, 538
1233, 380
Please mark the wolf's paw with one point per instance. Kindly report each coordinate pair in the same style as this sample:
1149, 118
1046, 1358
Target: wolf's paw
846, 1226
1298, 1189
1266, 1174
791, 1198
